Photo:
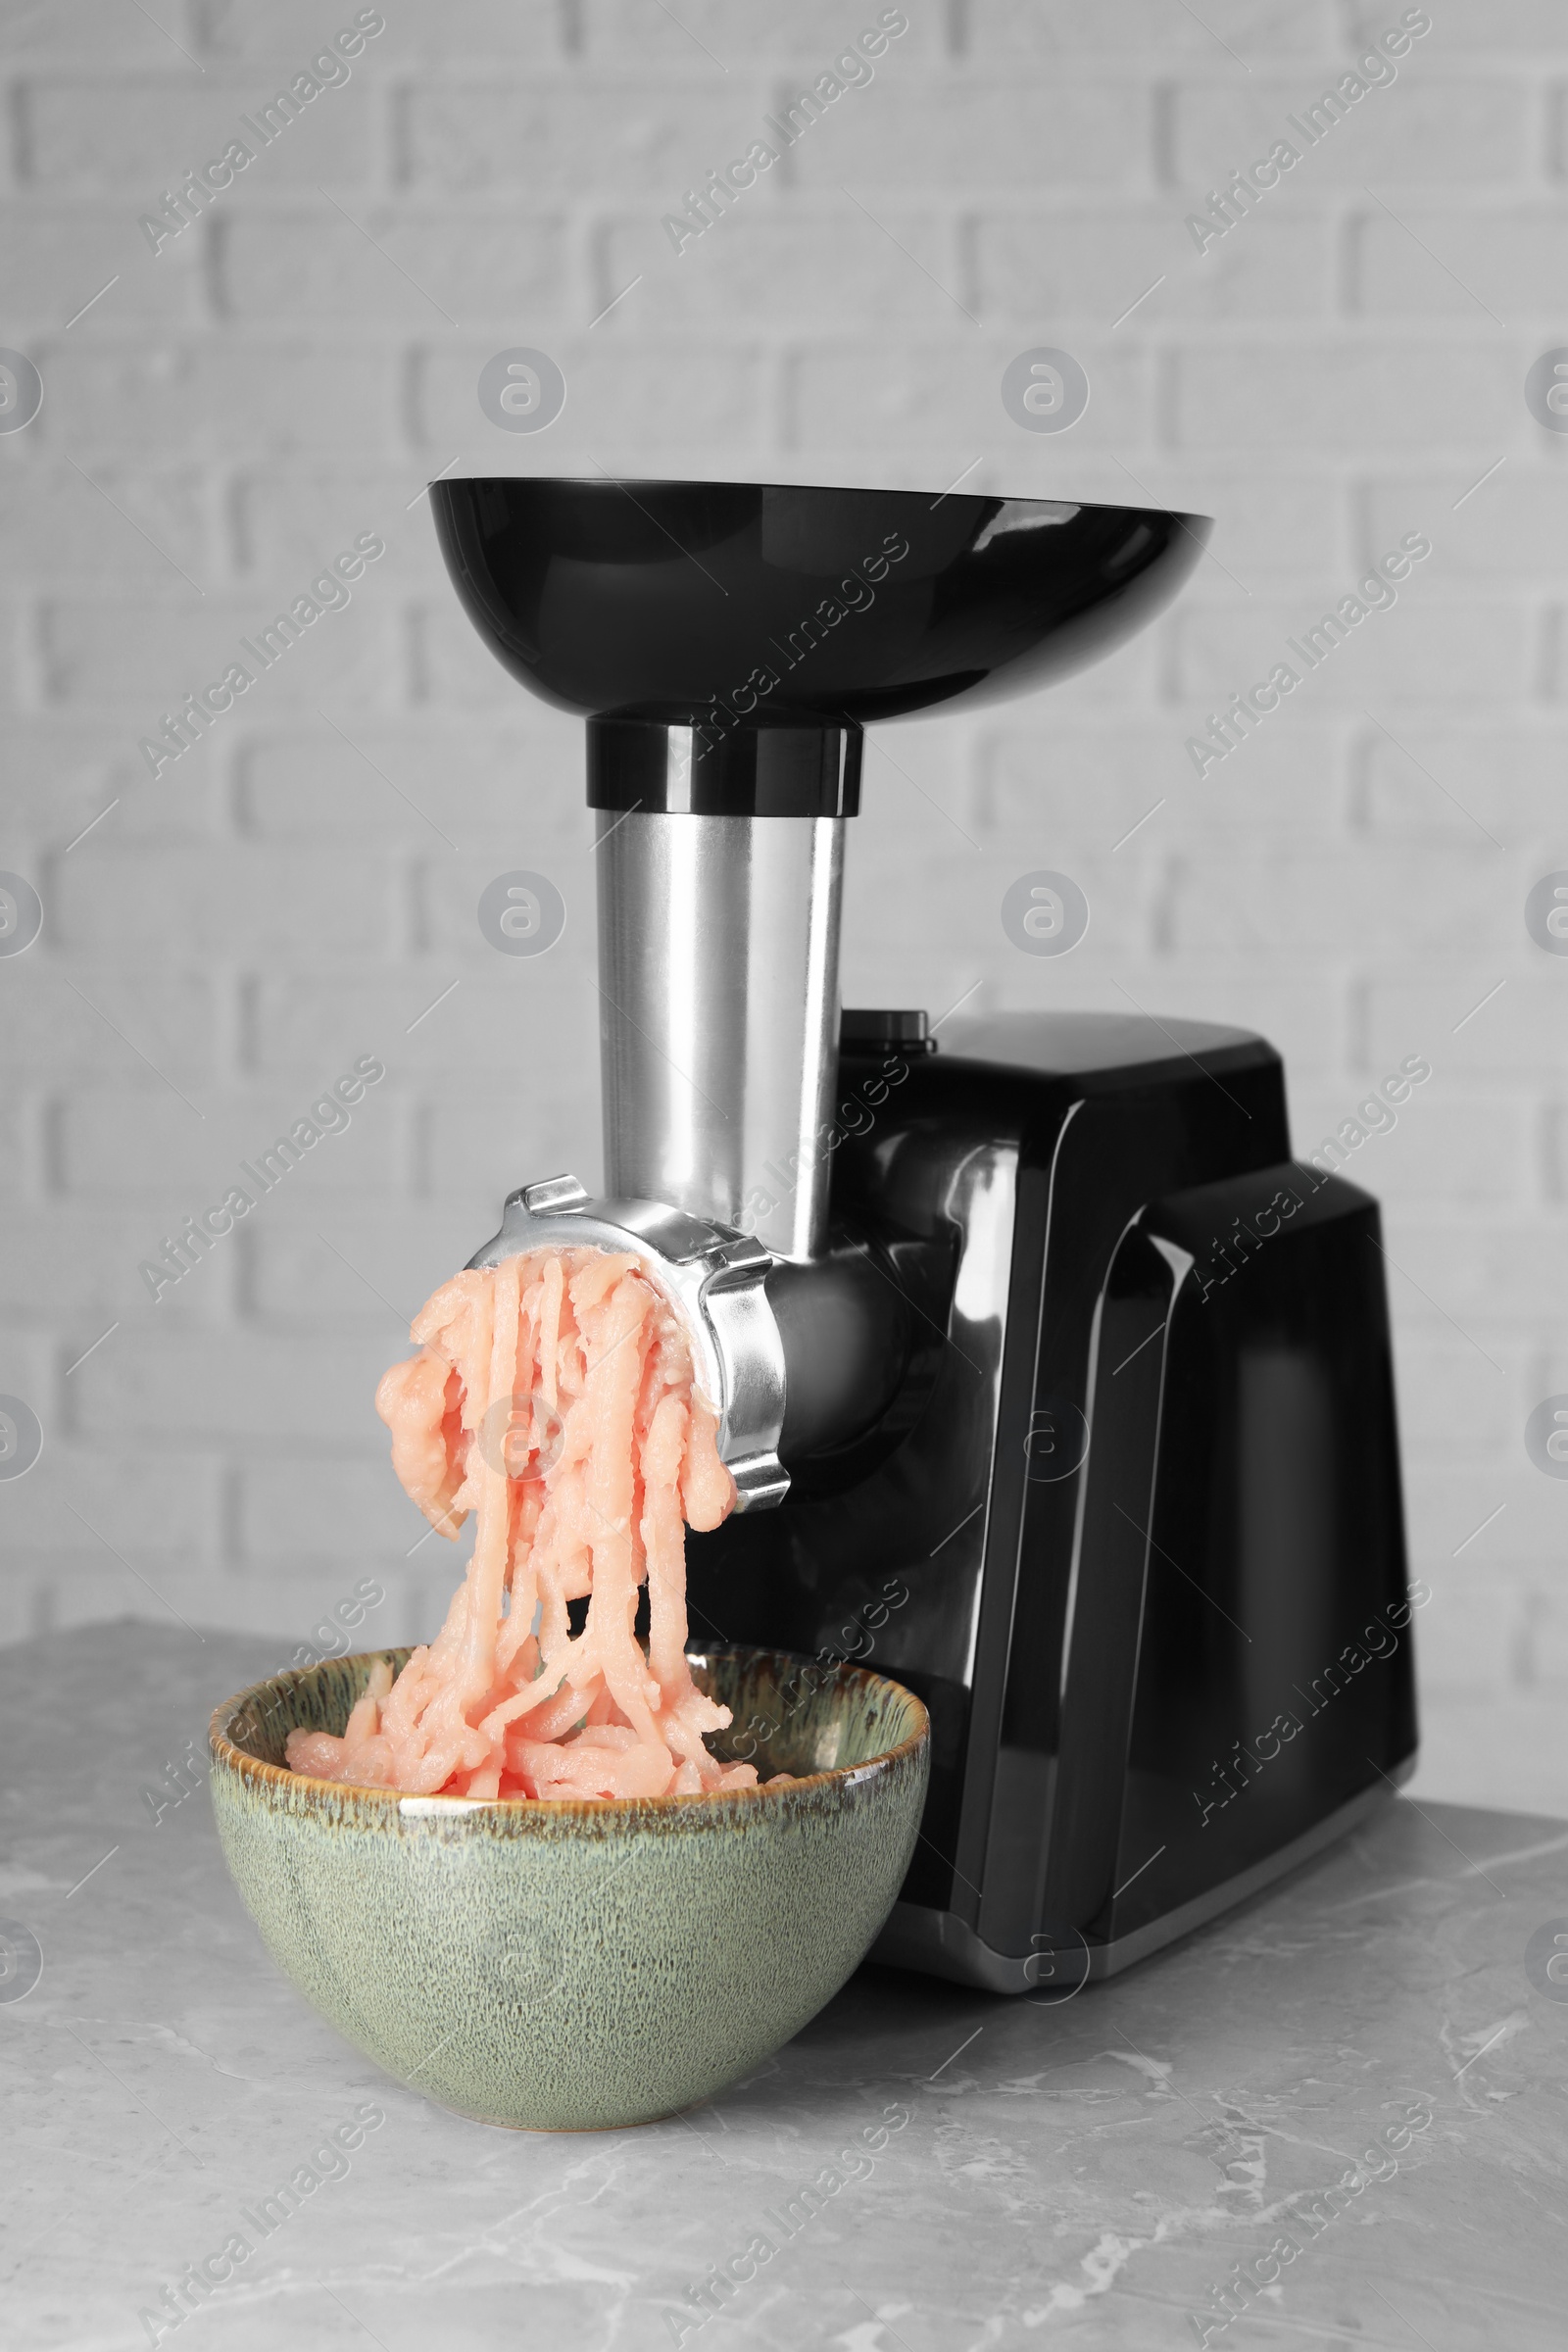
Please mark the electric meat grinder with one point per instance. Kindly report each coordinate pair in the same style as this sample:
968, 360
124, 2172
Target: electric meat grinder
1050, 1383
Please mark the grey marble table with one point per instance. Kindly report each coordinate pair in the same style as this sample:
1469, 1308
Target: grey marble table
1097, 2171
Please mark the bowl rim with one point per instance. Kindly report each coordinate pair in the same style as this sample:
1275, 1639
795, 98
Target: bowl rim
915, 496
630, 1809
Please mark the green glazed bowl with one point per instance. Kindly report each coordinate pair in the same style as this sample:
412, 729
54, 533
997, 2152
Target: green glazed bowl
579, 1966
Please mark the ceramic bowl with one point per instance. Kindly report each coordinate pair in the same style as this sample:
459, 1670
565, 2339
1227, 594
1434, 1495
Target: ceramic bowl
579, 1966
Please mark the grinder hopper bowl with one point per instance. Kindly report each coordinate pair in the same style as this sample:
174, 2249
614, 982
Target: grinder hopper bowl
1049, 1381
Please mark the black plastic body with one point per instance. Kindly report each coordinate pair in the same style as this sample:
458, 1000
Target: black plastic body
1131, 1525
690, 622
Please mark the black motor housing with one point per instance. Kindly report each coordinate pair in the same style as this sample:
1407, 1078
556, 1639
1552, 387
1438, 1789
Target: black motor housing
1132, 1524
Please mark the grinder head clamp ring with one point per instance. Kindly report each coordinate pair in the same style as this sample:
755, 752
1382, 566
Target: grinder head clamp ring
711, 1278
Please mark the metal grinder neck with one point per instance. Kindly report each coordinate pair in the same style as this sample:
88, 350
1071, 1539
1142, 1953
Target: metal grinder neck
718, 954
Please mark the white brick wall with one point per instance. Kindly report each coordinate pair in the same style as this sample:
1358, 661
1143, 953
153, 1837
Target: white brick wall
1341, 368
